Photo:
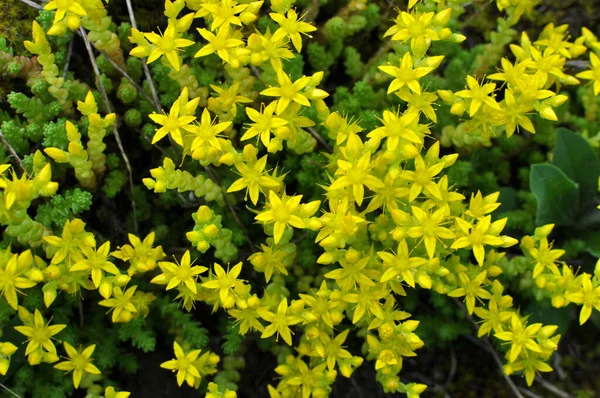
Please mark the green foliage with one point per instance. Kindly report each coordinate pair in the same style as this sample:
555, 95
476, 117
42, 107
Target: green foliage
114, 183
64, 207
578, 160
349, 48
138, 334
232, 340
565, 189
557, 195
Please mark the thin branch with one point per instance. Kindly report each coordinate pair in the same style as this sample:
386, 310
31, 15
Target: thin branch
12, 151
214, 177
544, 383
492, 351
10, 391
157, 106
256, 72
80, 307
129, 79
113, 63
452, 371
556, 362
423, 379
144, 63
321, 140
68, 59
552, 388
88, 46
529, 393
577, 64
32, 4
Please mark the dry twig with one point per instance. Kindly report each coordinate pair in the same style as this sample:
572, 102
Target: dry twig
12, 151
493, 352
88, 46
156, 101
10, 391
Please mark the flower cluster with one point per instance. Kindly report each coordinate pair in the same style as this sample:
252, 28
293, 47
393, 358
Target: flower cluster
389, 218
530, 84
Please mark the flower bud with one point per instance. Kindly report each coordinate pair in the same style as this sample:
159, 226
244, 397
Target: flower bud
458, 108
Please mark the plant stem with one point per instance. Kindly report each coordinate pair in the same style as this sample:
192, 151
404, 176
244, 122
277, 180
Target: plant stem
214, 177
10, 391
492, 351
11, 150
144, 63
88, 46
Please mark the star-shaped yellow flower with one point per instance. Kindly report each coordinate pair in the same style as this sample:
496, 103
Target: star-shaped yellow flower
168, 45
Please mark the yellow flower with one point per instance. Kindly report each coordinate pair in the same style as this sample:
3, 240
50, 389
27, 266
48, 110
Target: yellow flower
287, 91
247, 319
292, 26
223, 13
340, 224
253, 178
121, 304
367, 301
471, 289
213, 392
219, 43
484, 233
521, 337
419, 102
428, 226
417, 27
227, 98
275, 49
72, 9
588, 295
492, 318
69, 244
179, 274
140, 254
479, 95
592, 74
110, 392
7, 349
422, 178
264, 123
279, 322
414, 390
356, 174
405, 75
281, 212
400, 264
549, 65
10, 280
512, 74
206, 133
183, 364
516, 113
39, 335
80, 362
545, 257
396, 128
167, 45
224, 281
479, 205
172, 124
96, 261
351, 272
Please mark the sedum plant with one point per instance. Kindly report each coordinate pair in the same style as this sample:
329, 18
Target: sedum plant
380, 214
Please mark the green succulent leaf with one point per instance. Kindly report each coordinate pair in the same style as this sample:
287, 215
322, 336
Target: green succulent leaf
578, 160
556, 194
